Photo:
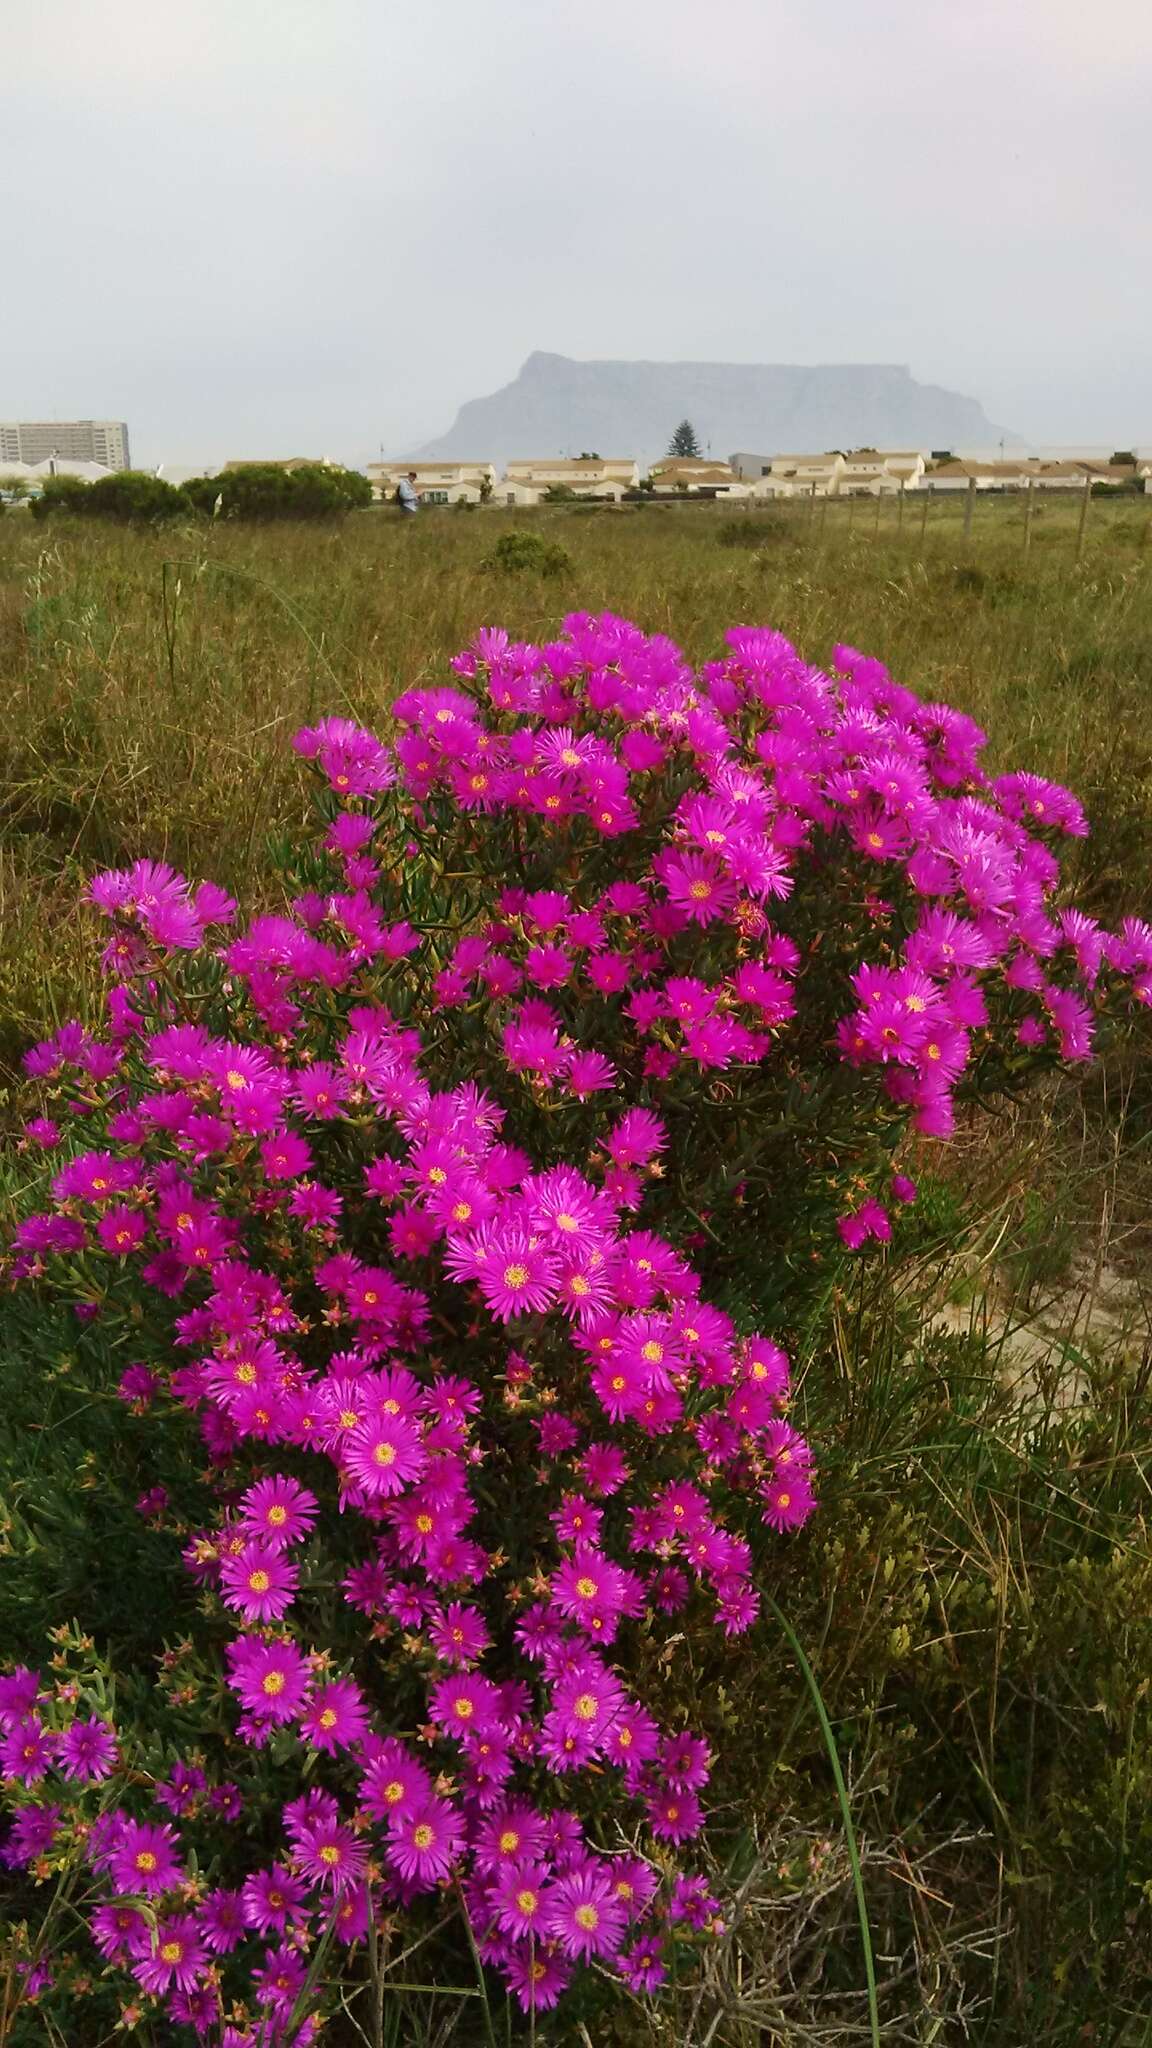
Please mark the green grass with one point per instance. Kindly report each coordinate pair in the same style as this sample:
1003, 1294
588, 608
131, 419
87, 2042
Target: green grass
972, 1604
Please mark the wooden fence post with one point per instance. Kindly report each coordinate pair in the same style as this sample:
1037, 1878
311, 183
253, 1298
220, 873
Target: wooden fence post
1085, 501
876, 521
823, 513
851, 509
924, 515
900, 511
1028, 504
969, 501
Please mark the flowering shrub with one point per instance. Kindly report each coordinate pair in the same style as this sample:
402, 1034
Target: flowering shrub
439, 1207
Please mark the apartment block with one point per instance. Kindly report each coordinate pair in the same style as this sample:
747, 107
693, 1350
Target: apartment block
103, 441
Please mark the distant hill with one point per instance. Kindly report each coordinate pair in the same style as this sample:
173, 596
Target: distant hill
557, 406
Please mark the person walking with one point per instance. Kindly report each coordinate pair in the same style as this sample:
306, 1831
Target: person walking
407, 496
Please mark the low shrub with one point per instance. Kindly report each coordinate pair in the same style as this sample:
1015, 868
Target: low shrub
265, 491
518, 554
756, 530
444, 1235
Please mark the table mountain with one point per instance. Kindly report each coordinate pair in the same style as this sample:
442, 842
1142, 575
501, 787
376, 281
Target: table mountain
558, 406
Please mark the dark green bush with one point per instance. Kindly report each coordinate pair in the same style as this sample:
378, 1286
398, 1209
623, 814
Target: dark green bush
516, 553
266, 491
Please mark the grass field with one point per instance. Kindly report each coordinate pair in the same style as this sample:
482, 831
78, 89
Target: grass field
975, 1598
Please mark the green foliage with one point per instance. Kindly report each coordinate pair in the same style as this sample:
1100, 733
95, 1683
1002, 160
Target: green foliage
128, 496
684, 441
264, 491
974, 1595
753, 531
61, 494
519, 554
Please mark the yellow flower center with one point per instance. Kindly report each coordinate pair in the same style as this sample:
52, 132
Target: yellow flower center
585, 1707
586, 1588
588, 1918
272, 1683
422, 1836
527, 1902
384, 1454
515, 1276
258, 1581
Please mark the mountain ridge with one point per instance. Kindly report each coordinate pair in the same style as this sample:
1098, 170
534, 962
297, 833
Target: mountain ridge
560, 404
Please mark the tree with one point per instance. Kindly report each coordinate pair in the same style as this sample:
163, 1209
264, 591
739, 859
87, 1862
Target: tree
266, 490
133, 495
60, 494
684, 440
1123, 458
128, 495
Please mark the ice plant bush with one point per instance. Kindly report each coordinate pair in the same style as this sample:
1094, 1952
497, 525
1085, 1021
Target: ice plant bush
457, 1214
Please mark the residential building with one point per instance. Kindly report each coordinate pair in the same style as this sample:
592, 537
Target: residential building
680, 473
791, 476
589, 476
1067, 475
103, 441
866, 475
438, 483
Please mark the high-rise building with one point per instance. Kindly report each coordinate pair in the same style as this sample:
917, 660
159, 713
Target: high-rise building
103, 441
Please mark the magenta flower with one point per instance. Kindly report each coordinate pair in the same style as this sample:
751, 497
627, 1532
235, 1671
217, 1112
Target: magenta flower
87, 1751
222, 1922
279, 1511
144, 1858
385, 1455
259, 1583
271, 1679
518, 1277
176, 1956
424, 1840
270, 1899
583, 1915
328, 1854
335, 1716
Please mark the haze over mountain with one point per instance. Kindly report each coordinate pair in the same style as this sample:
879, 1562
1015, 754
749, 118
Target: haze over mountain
558, 406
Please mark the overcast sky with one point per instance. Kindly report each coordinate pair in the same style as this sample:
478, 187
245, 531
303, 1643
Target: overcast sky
256, 227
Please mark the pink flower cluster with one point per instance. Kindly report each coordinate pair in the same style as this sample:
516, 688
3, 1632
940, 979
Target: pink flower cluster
409, 1276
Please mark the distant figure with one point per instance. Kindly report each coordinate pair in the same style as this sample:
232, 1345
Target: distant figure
407, 495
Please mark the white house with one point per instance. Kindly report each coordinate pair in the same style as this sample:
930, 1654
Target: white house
988, 476
589, 476
680, 473
438, 483
799, 476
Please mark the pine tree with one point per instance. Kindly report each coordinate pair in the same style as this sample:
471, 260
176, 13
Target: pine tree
684, 440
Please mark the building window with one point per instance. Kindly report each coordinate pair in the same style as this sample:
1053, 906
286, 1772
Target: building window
435, 497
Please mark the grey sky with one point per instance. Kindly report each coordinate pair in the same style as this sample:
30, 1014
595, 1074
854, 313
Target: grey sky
312, 226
